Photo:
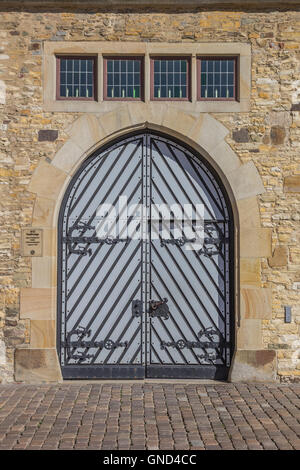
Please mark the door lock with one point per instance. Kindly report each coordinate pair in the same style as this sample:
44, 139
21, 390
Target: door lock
159, 308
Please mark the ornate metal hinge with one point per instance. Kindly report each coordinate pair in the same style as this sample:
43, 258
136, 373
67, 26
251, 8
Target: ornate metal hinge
176, 241
82, 227
82, 332
137, 308
214, 340
159, 308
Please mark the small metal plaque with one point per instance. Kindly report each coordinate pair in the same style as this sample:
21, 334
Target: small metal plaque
32, 242
287, 314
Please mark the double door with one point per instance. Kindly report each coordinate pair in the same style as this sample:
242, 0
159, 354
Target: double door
145, 278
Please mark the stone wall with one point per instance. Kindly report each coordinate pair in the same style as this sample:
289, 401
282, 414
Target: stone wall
268, 136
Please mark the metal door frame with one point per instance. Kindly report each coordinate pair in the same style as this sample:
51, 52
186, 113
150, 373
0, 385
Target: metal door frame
117, 371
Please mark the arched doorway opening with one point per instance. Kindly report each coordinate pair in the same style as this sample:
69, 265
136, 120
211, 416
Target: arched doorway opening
145, 264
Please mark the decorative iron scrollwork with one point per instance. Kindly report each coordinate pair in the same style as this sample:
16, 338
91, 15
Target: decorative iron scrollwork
212, 245
81, 332
159, 308
176, 241
214, 340
81, 343
82, 227
137, 308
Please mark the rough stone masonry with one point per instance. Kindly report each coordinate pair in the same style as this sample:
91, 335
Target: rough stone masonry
268, 135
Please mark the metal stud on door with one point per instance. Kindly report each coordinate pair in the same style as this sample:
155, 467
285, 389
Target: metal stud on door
132, 305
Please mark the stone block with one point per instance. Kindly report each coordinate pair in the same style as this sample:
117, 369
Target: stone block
155, 112
208, 132
49, 242
47, 181
250, 272
37, 303
253, 366
279, 257
255, 242
246, 181
292, 184
137, 112
42, 334
256, 303
225, 158
277, 135
249, 335
43, 272
43, 212
67, 156
248, 212
37, 366
115, 121
240, 135
178, 121
86, 132
295, 107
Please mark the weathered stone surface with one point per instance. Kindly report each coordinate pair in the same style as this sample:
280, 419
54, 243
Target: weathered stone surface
256, 303
85, 132
43, 274
250, 272
295, 107
279, 257
249, 334
241, 135
277, 135
47, 181
67, 157
37, 303
43, 212
245, 181
37, 366
254, 366
42, 334
292, 184
208, 132
249, 212
255, 242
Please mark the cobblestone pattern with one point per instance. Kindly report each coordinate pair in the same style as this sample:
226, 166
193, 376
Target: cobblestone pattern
150, 416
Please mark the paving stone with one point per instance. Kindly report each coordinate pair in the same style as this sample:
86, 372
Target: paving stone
158, 416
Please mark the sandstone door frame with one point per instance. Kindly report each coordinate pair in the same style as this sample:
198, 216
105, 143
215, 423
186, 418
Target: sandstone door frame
206, 135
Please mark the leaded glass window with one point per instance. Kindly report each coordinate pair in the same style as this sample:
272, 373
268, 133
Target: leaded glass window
170, 78
123, 78
76, 77
217, 78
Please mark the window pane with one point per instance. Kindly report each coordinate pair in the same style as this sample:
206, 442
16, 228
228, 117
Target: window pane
217, 78
230, 65
109, 65
76, 78
123, 78
170, 78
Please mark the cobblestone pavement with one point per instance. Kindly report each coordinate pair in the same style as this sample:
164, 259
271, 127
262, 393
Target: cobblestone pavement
149, 416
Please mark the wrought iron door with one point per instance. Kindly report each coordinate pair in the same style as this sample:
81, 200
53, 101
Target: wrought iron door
142, 305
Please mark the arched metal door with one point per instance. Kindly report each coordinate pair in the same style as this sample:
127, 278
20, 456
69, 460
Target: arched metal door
137, 297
